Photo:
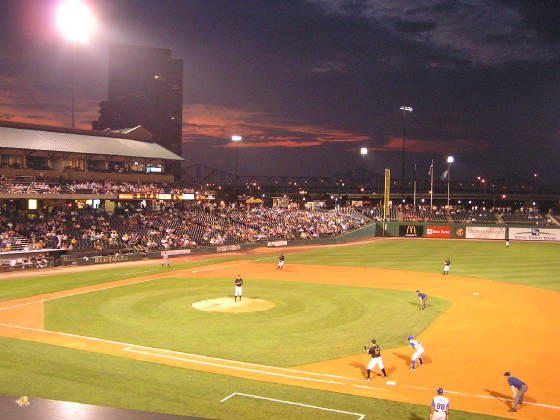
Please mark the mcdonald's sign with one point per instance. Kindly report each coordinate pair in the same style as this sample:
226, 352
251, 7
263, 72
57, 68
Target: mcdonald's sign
411, 231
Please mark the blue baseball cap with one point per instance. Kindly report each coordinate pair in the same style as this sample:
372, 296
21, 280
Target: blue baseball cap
440, 391
410, 337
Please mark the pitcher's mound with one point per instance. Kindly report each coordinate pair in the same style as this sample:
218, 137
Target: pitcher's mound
227, 304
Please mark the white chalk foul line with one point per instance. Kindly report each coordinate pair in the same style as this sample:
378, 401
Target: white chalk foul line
360, 416
224, 366
370, 387
487, 397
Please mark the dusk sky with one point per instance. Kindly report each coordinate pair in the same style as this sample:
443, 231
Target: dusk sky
309, 82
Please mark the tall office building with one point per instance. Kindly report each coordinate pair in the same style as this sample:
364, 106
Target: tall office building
145, 88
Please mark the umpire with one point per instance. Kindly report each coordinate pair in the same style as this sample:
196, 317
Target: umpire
518, 394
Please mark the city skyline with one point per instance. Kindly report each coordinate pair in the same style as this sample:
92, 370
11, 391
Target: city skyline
307, 84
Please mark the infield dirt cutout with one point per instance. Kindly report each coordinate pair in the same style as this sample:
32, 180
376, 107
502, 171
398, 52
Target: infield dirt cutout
228, 304
468, 348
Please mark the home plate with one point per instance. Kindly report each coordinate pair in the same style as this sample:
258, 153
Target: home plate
391, 383
475, 293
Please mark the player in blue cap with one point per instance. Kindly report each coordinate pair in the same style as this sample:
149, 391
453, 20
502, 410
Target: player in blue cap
418, 352
439, 409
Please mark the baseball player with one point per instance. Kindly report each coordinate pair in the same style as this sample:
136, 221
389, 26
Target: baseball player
446, 266
418, 352
238, 288
519, 389
440, 406
422, 298
165, 259
376, 359
280, 262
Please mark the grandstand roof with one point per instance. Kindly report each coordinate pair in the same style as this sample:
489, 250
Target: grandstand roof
32, 139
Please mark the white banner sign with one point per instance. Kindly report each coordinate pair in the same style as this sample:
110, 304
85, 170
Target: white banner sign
534, 234
277, 243
176, 252
483, 232
227, 248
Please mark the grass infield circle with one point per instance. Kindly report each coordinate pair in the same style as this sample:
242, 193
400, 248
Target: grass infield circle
227, 304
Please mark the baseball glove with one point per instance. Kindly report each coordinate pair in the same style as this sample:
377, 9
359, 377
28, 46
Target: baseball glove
365, 347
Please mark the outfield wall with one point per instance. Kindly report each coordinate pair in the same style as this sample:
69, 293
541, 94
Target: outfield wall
470, 231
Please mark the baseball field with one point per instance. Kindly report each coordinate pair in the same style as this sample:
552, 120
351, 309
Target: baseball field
171, 340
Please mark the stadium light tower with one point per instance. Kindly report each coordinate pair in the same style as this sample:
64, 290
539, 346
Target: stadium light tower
236, 139
404, 110
75, 20
450, 160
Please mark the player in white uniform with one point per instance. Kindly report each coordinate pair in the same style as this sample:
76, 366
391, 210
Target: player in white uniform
280, 262
238, 288
418, 352
165, 259
446, 266
440, 406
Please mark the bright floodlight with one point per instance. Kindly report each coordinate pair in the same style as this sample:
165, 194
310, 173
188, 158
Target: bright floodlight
363, 151
450, 159
236, 138
406, 108
75, 20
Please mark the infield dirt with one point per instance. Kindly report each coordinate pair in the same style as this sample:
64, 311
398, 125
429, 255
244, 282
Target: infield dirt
468, 348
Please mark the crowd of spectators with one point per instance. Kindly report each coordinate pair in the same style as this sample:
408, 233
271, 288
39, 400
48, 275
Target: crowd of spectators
143, 230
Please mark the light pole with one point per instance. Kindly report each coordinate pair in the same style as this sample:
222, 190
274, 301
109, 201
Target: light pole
450, 160
236, 139
75, 21
404, 110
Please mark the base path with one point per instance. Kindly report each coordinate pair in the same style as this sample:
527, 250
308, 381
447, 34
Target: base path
491, 327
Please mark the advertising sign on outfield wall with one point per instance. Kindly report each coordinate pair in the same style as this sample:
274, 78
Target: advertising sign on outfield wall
485, 232
276, 243
534, 234
227, 248
411, 231
438, 232
177, 252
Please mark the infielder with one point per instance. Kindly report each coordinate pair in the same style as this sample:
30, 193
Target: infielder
422, 298
280, 262
446, 266
418, 352
440, 406
238, 288
519, 389
376, 359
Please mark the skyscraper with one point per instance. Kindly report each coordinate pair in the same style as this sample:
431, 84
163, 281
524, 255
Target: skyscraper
145, 88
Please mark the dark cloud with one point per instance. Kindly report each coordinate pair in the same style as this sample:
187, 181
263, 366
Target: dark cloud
413, 27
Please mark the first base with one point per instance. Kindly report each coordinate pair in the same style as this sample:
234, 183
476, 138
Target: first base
393, 383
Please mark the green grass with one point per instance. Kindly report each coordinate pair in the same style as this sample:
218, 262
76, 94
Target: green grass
45, 371
531, 264
310, 322
16, 288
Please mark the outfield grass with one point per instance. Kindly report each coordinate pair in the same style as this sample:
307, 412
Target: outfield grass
15, 288
310, 322
45, 371
531, 264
